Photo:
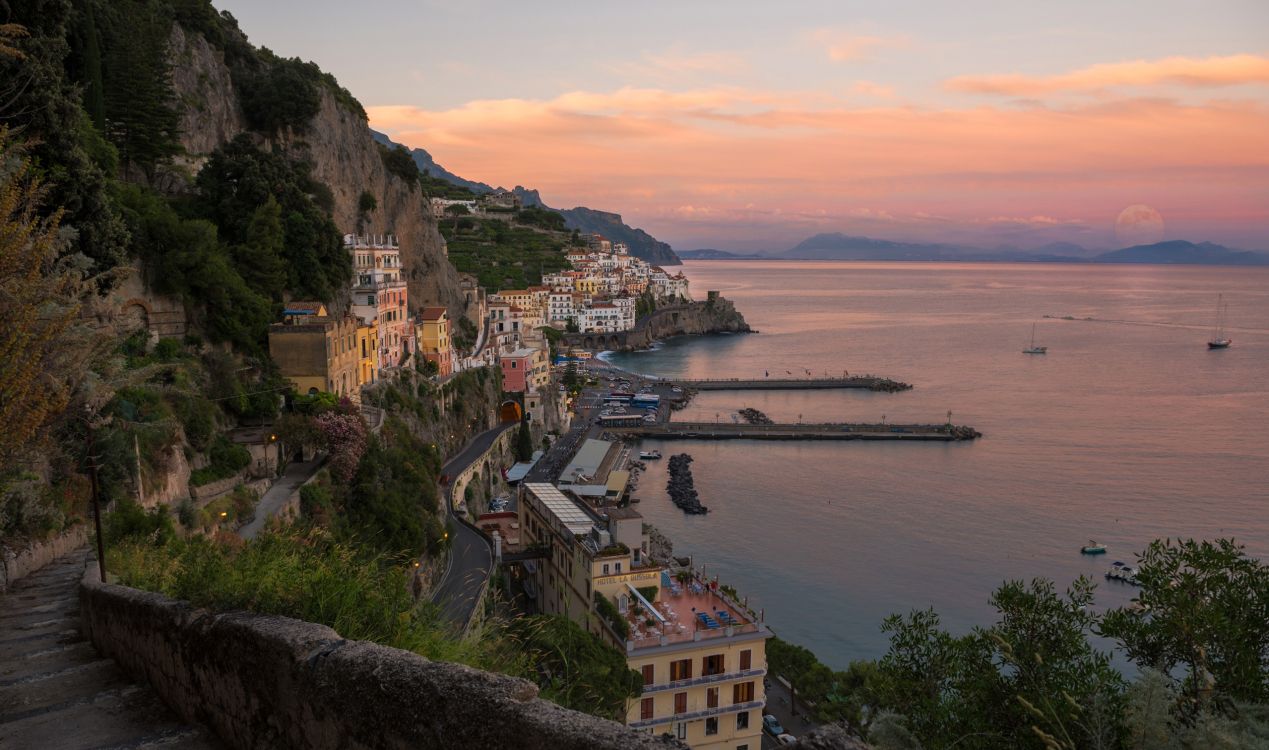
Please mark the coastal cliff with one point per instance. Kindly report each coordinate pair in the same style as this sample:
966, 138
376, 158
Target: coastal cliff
339, 147
714, 315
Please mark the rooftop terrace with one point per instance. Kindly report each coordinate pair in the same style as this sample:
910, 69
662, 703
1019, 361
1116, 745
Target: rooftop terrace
686, 612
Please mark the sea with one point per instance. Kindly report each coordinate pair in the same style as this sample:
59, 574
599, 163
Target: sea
1129, 429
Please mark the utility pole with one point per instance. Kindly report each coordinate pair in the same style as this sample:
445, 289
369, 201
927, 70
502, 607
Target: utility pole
96, 497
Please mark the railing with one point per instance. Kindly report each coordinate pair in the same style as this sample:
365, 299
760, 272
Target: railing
704, 680
734, 708
692, 634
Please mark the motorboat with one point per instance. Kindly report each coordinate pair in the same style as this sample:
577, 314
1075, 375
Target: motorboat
1093, 548
1120, 571
649, 455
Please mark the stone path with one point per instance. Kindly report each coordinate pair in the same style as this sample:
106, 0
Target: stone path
296, 474
57, 693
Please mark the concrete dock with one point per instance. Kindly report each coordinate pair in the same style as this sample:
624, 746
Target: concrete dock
863, 382
728, 431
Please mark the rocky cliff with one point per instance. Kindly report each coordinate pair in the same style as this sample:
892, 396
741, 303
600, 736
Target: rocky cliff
716, 315
341, 149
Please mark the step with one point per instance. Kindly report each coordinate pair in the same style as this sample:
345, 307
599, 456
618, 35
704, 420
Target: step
65, 686
10, 614
40, 660
23, 646
130, 717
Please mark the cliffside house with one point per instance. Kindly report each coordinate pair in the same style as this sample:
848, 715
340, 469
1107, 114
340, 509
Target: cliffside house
379, 293
317, 351
524, 369
702, 654
434, 339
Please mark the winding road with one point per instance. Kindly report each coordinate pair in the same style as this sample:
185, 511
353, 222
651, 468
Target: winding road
470, 553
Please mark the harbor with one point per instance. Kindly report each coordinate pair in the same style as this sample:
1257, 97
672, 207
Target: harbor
862, 382
831, 431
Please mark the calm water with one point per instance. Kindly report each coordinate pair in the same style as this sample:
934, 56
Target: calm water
1122, 433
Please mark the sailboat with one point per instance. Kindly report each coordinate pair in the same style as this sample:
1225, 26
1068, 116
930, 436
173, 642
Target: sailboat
1218, 340
1033, 349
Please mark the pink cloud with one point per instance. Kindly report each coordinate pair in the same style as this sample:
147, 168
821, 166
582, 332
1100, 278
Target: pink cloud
842, 45
700, 164
1183, 71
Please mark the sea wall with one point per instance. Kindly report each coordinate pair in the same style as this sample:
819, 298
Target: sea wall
262, 681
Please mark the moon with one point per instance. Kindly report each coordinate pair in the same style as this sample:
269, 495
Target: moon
1138, 225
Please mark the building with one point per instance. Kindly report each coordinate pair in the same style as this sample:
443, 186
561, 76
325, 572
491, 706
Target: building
702, 654
316, 351
379, 293
524, 370
367, 351
434, 339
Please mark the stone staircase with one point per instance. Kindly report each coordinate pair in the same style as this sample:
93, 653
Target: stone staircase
56, 692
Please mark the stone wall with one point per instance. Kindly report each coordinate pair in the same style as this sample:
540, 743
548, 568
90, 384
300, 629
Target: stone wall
261, 681
26, 557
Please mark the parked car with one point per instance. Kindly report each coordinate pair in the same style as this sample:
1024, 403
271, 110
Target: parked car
772, 725
786, 739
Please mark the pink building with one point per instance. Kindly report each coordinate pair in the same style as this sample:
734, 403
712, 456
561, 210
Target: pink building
379, 292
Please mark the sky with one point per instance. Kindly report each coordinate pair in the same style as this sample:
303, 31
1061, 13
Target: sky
751, 126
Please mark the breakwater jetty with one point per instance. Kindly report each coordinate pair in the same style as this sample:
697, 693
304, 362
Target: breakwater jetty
753, 416
837, 431
863, 382
682, 488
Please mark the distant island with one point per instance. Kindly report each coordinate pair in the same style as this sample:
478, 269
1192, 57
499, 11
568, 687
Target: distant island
838, 246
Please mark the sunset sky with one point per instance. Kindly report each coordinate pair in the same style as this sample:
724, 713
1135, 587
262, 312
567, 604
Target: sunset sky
749, 126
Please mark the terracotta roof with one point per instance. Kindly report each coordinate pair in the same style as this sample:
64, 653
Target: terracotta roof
432, 313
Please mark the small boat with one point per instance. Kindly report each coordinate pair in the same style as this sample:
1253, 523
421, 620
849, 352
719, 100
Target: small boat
1033, 349
1093, 548
1122, 572
649, 455
1218, 340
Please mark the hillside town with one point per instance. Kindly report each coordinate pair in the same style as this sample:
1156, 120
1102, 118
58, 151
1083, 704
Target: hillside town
603, 292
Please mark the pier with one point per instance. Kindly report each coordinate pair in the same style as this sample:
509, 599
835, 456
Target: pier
862, 382
833, 431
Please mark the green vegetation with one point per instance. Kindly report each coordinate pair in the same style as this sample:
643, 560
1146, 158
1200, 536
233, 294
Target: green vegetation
524, 442
398, 161
503, 254
609, 614
649, 592
1033, 679
225, 460
576, 669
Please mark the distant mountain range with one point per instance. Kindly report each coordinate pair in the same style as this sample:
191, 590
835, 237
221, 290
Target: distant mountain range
581, 218
837, 246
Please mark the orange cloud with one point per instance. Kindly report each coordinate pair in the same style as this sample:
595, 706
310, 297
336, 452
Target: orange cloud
1183, 71
710, 163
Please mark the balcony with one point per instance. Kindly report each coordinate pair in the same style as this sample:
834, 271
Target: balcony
744, 674
703, 713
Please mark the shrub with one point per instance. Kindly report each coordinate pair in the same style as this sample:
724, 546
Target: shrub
224, 460
131, 523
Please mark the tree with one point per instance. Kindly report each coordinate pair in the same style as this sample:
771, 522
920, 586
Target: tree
260, 260
1204, 610
39, 299
136, 86
524, 442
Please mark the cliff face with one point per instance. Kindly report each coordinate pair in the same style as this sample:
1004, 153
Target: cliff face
715, 315
339, 146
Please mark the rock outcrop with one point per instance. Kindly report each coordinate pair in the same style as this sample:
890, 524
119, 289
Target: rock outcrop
340, 147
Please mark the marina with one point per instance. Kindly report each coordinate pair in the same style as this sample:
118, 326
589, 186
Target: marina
726, 431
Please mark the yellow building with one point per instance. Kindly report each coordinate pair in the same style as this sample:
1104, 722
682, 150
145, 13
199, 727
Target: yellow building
316, 351
434, 339
701, 653
367, 350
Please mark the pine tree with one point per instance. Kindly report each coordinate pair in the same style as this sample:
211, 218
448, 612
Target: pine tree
524, 442
260, 260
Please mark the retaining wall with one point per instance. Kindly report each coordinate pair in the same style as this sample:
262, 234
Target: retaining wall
261, 681
19, 561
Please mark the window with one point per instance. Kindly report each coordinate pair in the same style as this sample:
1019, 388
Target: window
618, 567
742, 692
712, 665
680, 703
711, 726
742, 747
680, 670
746, 659
680, 730
742, 720
649, 674
605, 564
645, 708
711, 697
